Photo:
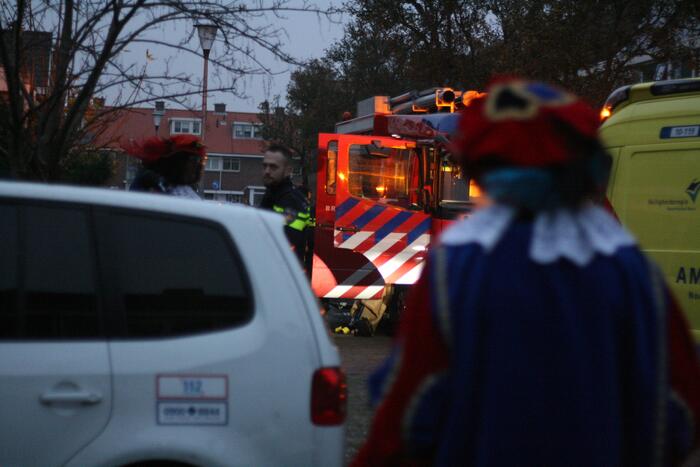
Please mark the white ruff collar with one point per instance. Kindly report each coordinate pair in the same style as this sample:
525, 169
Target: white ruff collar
574, 235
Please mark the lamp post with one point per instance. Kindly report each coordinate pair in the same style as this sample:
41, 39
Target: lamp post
158, 114
207, 34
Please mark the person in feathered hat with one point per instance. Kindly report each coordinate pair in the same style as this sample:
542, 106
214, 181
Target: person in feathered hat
538, 334
168, 165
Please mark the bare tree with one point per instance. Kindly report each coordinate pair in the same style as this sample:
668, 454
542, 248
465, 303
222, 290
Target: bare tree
315, 101
89, 44
590, 46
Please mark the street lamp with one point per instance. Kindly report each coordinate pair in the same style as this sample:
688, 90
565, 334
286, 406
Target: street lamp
158, 114
207, 34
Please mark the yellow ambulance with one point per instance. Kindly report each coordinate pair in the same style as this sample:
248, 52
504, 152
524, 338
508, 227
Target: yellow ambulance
652, 131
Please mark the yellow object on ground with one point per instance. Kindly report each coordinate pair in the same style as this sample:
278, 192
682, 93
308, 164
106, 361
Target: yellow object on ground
373, 310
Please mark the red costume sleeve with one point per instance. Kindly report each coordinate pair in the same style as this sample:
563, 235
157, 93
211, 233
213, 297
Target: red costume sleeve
423, 353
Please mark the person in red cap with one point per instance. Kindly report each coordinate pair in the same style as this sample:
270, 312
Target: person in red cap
538, 334
168, 165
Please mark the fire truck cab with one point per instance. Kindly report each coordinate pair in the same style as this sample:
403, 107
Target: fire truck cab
385, 186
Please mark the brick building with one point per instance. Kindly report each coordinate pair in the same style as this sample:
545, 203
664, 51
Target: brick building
36, 57
234, 148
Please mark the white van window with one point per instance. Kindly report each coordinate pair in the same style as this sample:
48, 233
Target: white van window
177, 277
9, 265
56, 296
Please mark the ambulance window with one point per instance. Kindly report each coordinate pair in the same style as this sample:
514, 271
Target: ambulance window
332, 167
379, 173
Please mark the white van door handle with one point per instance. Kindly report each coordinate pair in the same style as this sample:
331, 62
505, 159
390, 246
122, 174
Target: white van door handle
75, 397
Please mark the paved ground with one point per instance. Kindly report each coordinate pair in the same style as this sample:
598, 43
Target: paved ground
360, 355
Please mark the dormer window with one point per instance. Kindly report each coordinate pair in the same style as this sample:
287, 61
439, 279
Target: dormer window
246, 130
185, 126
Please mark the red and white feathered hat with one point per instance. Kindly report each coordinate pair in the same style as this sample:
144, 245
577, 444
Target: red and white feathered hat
524, 123
155, 148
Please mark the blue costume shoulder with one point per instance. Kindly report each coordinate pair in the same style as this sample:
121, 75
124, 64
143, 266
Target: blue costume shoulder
552, 360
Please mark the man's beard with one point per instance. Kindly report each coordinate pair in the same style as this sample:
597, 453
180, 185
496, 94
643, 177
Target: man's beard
269, 181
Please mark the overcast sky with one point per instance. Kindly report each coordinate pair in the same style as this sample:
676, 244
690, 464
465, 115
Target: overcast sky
307, 36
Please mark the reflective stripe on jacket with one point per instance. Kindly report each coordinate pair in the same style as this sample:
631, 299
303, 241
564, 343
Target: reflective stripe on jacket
298, 220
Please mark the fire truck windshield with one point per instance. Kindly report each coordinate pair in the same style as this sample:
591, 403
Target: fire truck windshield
383, 175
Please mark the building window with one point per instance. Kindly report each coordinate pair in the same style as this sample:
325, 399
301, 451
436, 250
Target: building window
231, 164
190, 126
213, 163
227, 164
255, 196
247, 130
224, 196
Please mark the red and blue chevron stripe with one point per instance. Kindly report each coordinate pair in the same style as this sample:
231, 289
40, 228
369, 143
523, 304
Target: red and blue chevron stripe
394, 240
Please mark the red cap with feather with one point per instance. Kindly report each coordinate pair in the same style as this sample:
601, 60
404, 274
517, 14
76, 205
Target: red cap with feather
522, 123
155, 148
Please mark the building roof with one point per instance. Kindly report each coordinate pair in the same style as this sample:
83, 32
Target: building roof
137, 123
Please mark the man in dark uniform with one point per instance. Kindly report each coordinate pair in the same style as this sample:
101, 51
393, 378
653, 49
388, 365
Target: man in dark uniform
283, 197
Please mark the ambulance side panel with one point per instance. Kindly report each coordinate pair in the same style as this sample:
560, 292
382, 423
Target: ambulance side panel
655, 188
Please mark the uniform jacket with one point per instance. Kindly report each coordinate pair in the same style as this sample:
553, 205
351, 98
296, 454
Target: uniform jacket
289, 201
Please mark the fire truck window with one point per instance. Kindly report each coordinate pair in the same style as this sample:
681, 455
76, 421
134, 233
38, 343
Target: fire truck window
459, 193
454, 185
382, 176
332, 167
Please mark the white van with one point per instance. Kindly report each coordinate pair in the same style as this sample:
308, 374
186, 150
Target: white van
140, 329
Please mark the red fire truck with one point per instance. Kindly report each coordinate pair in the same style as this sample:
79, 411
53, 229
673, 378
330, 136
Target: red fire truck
385, 187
